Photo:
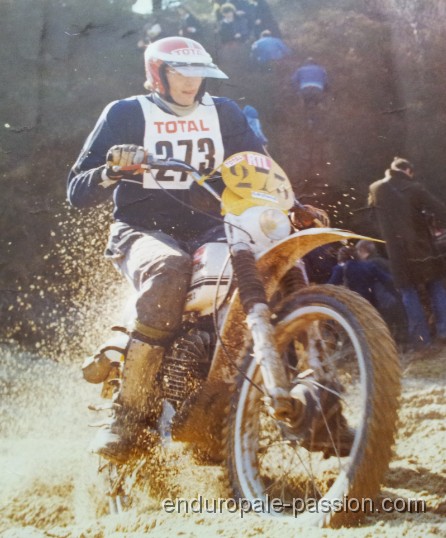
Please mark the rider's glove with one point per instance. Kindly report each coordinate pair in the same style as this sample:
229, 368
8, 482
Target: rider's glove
123, 160
306, 216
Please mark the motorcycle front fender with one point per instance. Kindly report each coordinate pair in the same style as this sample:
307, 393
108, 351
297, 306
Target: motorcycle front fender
273, 264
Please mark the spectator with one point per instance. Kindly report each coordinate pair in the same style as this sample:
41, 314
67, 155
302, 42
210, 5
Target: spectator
268, 49
399, 202
319, 263
385, 296
252, 116
190, 25
310, 81
366, 250
146, 7
241, 7
216, 4
151, 32
261, 18
357, 275
232, 27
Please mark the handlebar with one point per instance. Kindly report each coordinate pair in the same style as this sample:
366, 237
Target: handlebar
174, 165
177, 165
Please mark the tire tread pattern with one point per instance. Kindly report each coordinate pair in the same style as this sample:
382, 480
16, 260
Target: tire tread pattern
382, 413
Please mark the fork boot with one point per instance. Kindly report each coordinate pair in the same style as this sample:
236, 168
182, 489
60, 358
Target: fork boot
136, 403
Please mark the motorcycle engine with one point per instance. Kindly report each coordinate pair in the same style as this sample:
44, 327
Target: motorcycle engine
185, 366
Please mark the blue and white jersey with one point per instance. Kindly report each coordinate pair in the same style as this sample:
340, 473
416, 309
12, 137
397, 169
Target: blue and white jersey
214, 131
195, 138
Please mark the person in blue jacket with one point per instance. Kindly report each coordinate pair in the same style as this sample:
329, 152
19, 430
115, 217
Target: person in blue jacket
358, 275
268, 49
386, 297
151, 235
310, 81
252, 116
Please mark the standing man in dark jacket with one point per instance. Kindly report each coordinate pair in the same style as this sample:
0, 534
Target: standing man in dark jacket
233, 27
261, 18
190, 25
399, 202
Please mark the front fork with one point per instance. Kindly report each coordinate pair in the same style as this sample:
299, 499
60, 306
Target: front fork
258, 318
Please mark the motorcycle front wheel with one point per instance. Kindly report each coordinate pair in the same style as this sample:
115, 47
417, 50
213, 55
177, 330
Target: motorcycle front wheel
357, 371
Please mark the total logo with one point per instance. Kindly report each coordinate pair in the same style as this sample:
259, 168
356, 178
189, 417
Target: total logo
190, 51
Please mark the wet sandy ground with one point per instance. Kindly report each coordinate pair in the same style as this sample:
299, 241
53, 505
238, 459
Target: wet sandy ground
48, 481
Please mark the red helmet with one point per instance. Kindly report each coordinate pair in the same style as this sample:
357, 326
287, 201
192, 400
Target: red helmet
184, 55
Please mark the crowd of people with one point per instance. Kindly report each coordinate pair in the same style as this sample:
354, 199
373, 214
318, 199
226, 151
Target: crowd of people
408, 286
239, 20
400, 204
248, 22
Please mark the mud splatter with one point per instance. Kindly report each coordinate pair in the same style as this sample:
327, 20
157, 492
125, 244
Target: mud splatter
49, 488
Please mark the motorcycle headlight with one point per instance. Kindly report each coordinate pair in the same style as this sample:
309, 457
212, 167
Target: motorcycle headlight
275, 224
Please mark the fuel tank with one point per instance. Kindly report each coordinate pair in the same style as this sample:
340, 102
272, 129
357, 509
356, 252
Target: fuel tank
211, 278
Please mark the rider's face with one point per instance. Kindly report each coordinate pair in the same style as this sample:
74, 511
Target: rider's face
183, 90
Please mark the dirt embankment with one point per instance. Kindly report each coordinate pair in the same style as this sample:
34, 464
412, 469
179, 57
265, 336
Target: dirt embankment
63, 61
48, 481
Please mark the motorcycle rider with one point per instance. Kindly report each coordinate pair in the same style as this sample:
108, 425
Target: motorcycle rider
150, 240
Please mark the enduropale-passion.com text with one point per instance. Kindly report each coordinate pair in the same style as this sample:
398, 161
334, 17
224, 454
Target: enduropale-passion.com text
274, 506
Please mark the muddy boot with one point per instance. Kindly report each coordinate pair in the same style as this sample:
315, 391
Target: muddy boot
98, 367
136, 403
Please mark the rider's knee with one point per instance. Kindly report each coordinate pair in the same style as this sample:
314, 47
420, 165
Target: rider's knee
174, 268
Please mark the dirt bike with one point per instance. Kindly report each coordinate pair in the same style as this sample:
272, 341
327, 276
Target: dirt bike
293, 388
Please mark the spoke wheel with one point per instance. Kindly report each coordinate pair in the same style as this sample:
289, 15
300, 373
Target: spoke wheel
351, 362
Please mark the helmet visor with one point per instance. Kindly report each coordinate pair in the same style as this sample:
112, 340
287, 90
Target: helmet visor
197, 70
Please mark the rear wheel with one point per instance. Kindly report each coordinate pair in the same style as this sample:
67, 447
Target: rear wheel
334, 343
